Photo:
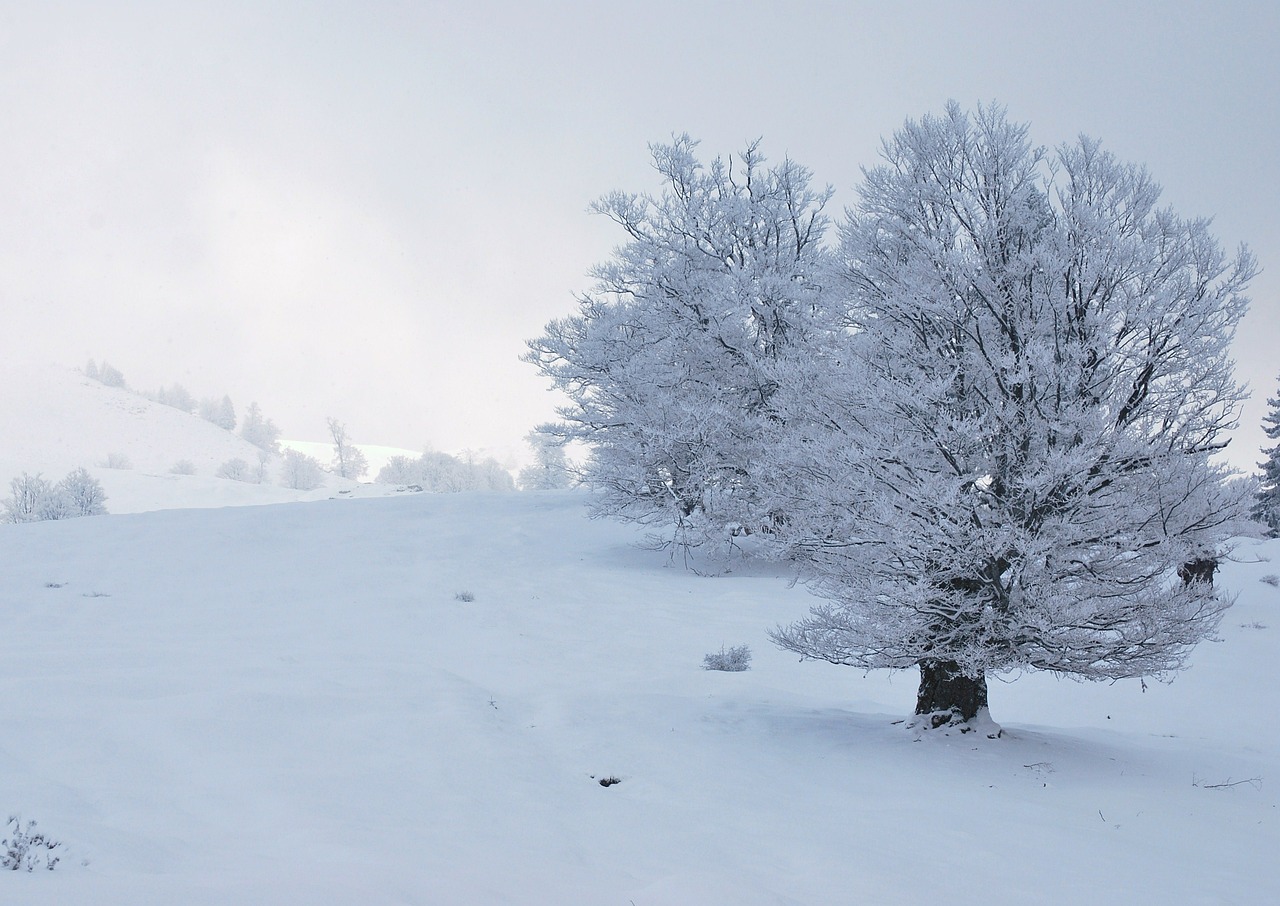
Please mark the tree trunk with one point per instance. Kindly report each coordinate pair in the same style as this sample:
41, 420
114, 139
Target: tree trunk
947, 696
1198, 570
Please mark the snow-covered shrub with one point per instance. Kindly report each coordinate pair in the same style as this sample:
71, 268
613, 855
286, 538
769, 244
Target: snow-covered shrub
32, 499
28, 499
24, 500
55, 505
465, 597
183, 467
301, 472
1272, 579
25, 848
116, 461
83, 493
237, 470
730, 660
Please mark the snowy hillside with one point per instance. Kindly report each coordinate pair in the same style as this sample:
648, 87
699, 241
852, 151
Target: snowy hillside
54, 419
297, 704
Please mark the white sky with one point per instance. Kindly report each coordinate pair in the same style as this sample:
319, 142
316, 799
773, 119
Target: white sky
364, 209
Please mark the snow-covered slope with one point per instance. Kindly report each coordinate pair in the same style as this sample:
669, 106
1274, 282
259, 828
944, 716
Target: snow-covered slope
54, 419
292, 704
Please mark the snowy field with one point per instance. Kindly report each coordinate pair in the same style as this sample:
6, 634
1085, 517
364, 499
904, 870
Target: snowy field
291, 704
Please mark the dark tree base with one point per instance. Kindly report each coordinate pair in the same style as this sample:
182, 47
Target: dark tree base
1199, 570
947, 697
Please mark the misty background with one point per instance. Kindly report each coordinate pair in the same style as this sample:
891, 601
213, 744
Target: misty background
364, 210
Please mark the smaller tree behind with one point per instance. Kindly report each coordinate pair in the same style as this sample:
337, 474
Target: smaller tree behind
348, 460
111, 376
259, 431
671, 364
1267, 509
222, 414
176, 396
550, 471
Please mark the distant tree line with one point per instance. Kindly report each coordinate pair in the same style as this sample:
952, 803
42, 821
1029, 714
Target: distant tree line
436, 473
256, 428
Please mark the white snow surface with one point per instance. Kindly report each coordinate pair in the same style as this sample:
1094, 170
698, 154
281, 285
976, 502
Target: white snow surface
288, 704
211, 703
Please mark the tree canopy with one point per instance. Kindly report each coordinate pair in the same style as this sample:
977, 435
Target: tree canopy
985, 426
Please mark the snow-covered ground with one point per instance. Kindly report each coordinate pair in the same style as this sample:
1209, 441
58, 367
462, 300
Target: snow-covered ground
291, 704
207, 702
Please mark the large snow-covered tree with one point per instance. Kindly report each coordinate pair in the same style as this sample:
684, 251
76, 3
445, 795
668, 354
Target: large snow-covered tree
1267, 506
1013, 460
670, 362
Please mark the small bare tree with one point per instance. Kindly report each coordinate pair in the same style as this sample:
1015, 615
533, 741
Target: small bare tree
348, 460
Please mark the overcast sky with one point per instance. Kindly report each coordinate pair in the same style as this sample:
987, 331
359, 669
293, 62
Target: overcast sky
364, 209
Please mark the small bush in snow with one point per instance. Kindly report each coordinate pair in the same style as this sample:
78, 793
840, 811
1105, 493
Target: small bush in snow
730, 660
25, 848
237, 470
1272, 579
183, 467
464, 596
116, 461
